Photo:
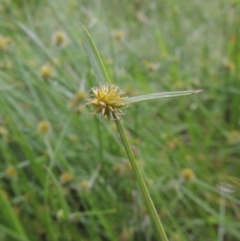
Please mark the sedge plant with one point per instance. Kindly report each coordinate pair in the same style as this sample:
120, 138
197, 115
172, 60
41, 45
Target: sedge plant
108, 100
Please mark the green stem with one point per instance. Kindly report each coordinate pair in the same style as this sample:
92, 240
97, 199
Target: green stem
8, 216
149, 202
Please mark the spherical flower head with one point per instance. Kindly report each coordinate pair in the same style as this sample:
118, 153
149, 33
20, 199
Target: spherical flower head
60, 39
107, 100
4, 43
46, 72
44, 127
126, 235
119, 35
3, 131
118, 168
76, 103
66, 177
152, 66
187, 175
11, 172
233, 137
80, 96
84, 186
73, 138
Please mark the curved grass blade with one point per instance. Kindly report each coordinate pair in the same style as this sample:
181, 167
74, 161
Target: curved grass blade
156, 96
8, 215
8, 87
94, 57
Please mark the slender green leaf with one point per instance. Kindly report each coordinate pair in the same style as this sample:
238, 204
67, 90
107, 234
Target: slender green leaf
8, 214
156, 96
11, 233
8, 87
94, 57
141, 182
162, 45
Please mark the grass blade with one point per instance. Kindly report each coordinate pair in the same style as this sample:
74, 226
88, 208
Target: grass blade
94, 57
152, 210
8, 214
156, 96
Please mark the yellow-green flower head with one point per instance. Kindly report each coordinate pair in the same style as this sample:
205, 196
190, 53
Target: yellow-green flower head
107, 100
11, 172
84, 186
46, 72
66, 177
44, 127
187, 175
3, 131
4, 43
60, 39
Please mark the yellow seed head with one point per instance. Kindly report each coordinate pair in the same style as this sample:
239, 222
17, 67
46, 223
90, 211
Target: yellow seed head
122, 168
6, 65
60, 39
84, 186
179, 85
233, 137
187, 175
118, 168
107, 100
119, 35
80, 96
230, 66
11, 172
46, 72
80, 109
152, 66
127, 167
66, 177
3, 131
126, 235
44, 127
76, 103
60, 214
73, 138
4, 43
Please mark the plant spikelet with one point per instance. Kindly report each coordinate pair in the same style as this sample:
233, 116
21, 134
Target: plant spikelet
187, 175
107, 100
44, 127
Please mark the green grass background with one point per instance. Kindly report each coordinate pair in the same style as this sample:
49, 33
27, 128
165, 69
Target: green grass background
195, 45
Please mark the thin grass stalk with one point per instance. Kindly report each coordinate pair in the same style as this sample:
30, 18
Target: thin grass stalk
48, 221
7, 213
149, 202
